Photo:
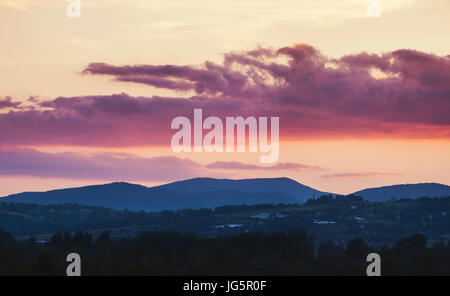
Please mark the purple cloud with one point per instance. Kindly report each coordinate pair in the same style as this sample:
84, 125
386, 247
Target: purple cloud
117, 166
315, 97
235, 165
416, 89
358, 175
8, 103
99, 166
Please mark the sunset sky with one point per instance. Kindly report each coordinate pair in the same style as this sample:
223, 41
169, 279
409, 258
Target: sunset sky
362, 102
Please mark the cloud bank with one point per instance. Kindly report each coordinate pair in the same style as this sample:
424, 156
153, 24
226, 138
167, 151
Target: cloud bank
119, 166
235, 165
8, 103
358, 175
399, 94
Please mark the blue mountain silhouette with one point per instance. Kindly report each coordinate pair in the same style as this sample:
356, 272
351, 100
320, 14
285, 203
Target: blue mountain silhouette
209, 193
301, 193
404, 191
195, 193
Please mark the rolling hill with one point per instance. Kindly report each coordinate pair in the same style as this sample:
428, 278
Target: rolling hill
404, 191
301, 193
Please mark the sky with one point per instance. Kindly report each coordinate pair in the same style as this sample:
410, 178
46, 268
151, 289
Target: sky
362, 102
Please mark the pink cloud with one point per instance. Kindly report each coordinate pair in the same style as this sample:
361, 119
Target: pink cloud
118, 166
314, 96
8, 103
99, 166
235, 165
358, 175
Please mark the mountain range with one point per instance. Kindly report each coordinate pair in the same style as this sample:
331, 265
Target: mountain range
404, 191
209, 193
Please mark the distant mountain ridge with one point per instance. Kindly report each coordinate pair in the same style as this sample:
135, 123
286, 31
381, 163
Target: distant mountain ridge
194, 193
209, 193
385, 193
294, 189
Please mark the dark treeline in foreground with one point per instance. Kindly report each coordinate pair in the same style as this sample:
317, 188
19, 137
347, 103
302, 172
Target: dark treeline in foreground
170, 253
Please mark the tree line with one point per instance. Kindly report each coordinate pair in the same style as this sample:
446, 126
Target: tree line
172, 253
